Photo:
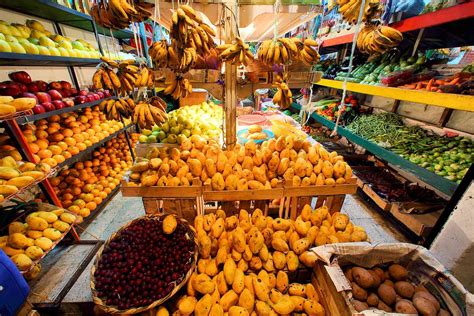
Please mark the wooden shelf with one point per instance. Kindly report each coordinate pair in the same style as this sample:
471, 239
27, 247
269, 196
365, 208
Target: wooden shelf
445, 100
440, 183
427, 20
53, 11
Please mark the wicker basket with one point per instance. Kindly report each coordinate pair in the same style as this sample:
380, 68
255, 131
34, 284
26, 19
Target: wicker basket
111, 309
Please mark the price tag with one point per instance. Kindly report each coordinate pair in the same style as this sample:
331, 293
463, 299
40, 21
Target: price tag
338, 278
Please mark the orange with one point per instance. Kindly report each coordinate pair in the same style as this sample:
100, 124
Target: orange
62, 145
73, 150
76, 191
67, 155
81, 146
74, 208
34, 148
97, 200
54, 118
107, 190
91, 205
42, 143
41, 134
88, 197
103, 194
68, 132
55, 181
27, 132
79, 203
79, 165
59, 158
66, 203
50, 161
90, 131
45, 153
88, 143
99, 187
78, 138
88, 164
52, 129
30, 138
88, 188
68, 196
70, 141
55, 149
84, 212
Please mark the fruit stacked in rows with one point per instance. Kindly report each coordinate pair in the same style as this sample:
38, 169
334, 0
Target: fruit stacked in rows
27, 241
389, 289
297, 162
60, 137
203, 119
244, 260
9, 106
15, 176
144, 262
84, 186
34, 38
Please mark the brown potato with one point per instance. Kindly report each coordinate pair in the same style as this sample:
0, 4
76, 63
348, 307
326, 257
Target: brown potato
348, 274
376, 279
360, 306
389, 282
384, 306
362, 277
429, 297
387, 294
380, 273
373, 300
358, 292
405, 307
424, 306
397, 272
404, 289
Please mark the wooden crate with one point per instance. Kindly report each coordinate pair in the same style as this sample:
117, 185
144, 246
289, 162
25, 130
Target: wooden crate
195, 97
380, 201
335, 303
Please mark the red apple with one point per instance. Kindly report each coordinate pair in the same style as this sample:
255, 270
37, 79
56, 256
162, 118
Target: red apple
65, 93
55, 95
96, 96
58, 104
48, 106
33, 87
20, 76
54, 85
38, 109
68, 102
73, 91
107, 93
42, 85
29, 95
83, 92
65, 85
23, 87
90, 98
10, 89
80, 99
101, 94
43, 97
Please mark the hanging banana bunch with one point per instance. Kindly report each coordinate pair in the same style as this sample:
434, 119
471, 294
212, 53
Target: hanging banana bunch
187, 60
283, 97
114, 109
118, 14
189, 30
349, 9
236, 53
308, 55
105, 78
377, 39
128, 74
146, 77
178, 88
147, 114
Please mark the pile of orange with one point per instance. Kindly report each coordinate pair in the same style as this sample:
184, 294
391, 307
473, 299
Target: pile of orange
60, 137
84, 186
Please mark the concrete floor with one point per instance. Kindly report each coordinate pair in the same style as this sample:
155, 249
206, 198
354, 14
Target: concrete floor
60, 264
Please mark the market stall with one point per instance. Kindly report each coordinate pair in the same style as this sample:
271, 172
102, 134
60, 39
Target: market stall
203, 158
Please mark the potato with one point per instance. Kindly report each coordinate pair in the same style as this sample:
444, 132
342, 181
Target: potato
424, 306
348, 274
372, 300
404, 289
380, 273
383, 306
427, 295
358, 292
362, 277
376, 278
405, 307
397, 272
443, 312
360, 306
387, 294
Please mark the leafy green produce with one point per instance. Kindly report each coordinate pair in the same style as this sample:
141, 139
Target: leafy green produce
449, 157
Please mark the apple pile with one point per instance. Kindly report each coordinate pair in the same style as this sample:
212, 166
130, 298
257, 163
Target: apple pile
59, 137
143, 263
83, 186
49, 96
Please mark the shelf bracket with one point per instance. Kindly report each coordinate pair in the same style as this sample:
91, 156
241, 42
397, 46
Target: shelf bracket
417, 42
